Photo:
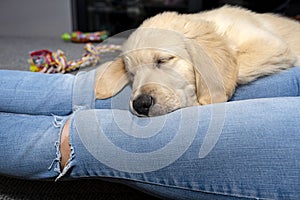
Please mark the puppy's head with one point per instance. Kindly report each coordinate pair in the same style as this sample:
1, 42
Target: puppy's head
170, 69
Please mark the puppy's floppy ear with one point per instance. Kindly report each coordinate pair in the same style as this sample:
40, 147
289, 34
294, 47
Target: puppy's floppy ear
110, 78
209, 83
214, 63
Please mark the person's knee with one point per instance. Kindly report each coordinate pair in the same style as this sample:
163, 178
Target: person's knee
65, 148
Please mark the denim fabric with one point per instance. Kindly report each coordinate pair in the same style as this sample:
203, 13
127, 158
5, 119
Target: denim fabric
235, 150
283, 84
30, 145
35, 93
257, 154
83, 91
53, 94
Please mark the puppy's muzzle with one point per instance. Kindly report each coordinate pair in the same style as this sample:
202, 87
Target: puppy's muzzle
142, 104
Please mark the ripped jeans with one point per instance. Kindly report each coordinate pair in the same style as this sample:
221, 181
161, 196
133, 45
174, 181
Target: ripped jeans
248, 148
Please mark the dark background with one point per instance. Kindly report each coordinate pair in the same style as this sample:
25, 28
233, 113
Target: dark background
120, 15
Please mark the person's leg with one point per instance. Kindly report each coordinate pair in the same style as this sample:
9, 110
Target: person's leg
283, 84
64, 147
237, 150
35, 93
46, 94
52, 94
30, 145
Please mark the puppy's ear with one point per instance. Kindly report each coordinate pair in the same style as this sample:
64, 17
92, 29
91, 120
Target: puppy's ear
110, 78
214, 63
209, 82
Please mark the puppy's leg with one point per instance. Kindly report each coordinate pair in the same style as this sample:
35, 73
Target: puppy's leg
263, 56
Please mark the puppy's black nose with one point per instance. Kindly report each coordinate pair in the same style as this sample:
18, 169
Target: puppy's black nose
142, 104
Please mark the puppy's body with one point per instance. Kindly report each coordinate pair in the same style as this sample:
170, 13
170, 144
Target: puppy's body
175, 61
262, 38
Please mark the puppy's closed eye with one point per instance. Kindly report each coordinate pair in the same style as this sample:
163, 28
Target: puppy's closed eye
162, 60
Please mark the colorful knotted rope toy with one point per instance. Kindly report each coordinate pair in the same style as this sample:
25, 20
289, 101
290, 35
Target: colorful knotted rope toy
56, 62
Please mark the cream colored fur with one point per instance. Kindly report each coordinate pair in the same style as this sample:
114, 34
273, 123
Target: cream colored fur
197, 59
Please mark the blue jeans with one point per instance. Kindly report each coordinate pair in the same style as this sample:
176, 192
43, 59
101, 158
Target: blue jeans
246, 148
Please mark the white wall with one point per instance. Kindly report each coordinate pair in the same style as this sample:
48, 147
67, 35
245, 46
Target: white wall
35, 17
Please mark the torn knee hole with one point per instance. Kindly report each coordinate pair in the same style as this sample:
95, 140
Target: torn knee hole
65, 148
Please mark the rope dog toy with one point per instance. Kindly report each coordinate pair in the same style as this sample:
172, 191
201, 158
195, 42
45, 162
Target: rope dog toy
49, 62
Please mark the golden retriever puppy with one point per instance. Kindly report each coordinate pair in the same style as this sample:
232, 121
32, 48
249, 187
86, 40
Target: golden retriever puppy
178, 60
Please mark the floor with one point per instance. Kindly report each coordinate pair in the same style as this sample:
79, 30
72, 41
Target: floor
14, 51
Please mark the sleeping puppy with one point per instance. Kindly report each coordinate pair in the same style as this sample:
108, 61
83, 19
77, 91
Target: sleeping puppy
175, 60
